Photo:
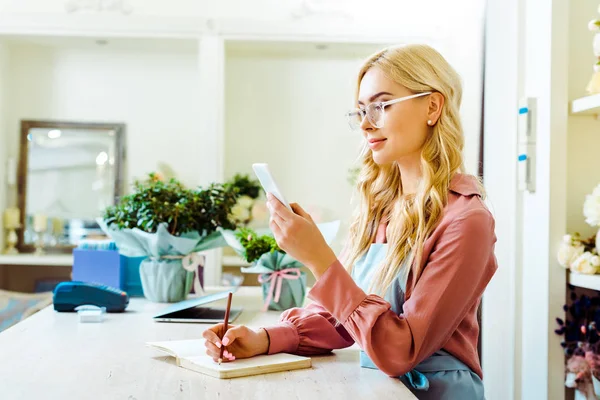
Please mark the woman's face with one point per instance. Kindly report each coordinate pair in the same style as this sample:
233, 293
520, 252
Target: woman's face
405, 125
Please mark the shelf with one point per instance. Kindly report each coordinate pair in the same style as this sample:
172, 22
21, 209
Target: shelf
585, 281
60, 260
588, 105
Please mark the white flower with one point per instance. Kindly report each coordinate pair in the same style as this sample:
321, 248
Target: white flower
241, 211
587, 263
245, 201
593, 25
567, 239
567, 252
591, 207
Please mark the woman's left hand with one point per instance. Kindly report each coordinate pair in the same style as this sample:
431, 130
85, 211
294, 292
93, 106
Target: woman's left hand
297, 234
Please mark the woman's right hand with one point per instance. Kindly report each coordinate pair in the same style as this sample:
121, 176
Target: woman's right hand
239, 341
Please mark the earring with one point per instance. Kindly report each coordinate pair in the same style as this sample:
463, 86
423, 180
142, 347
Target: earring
429, 122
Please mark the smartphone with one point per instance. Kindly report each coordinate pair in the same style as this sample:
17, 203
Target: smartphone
268, 183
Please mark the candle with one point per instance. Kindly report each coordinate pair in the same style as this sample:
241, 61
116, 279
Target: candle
40, 223
11, 217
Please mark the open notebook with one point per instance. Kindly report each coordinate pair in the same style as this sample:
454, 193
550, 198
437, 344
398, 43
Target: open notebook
191, 354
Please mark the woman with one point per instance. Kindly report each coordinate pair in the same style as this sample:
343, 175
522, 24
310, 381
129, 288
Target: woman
421, 246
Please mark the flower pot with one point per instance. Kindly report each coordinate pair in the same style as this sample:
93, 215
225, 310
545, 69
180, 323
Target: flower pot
291, 295
165, 280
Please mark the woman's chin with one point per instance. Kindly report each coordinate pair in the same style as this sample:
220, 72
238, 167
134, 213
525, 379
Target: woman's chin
381, 158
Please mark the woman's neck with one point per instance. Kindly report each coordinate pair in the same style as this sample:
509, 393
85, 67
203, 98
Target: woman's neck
410, 174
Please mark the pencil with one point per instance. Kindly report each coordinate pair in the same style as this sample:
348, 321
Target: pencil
225, 323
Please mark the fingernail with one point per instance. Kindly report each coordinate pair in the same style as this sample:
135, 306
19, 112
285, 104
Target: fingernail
218, 344
226, 354
232, 358
225, 341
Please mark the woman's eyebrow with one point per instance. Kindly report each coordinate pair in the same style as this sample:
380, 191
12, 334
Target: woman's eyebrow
375, 96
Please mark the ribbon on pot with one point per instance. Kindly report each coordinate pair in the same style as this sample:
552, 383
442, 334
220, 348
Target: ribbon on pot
276, 278
193, 262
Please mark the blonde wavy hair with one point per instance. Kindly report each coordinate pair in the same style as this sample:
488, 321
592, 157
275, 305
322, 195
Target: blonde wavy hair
412, 218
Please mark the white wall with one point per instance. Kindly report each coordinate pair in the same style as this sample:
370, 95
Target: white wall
152, 92
4, 134
583, 168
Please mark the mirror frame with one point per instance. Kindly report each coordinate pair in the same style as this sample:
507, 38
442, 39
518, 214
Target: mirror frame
26, 125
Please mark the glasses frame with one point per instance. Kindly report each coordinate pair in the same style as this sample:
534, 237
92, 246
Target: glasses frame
363, 112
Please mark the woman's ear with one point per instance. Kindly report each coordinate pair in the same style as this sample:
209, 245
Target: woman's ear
436, 102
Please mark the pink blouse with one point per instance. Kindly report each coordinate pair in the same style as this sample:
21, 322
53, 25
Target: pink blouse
440, 310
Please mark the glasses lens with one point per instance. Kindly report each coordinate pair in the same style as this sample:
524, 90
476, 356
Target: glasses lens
375, 115
354, 120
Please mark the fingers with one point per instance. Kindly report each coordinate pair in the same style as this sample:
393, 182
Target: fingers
213, 343
300, 211
276, 207
275, 228
228, 356
281, 223
214, 352
211, 334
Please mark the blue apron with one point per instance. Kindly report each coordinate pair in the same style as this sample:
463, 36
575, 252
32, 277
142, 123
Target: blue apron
441, 376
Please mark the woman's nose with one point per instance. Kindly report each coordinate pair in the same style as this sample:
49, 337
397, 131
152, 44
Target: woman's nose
366, 126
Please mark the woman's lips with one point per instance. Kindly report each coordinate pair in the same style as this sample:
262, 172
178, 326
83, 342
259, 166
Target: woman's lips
375, 143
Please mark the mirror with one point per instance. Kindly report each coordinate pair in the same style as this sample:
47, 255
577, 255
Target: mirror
68, 174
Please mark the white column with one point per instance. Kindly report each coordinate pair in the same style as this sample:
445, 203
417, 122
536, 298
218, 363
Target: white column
501, 305
211, 88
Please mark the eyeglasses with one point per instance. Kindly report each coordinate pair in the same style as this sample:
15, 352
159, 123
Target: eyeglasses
375, 112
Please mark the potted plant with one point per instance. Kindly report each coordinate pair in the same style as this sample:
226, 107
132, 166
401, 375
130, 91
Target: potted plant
169, 225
